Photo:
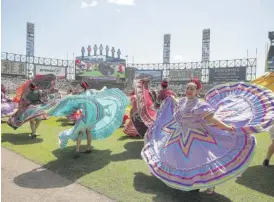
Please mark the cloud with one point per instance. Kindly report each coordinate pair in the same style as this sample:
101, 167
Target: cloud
178, 57
122, 2
118, 10
86, 5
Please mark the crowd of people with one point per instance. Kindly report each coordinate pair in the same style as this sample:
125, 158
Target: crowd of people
189, 144
179, 88
11, 83
63, 84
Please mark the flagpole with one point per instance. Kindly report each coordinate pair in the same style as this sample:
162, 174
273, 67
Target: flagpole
74, 70
256, 63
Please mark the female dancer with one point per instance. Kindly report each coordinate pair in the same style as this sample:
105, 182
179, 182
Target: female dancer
164, 93
267, 80
87, 131
8, 107
143, 111
34, 97
102, 113
270, 150
129, 127
32, 107
193, 144
78, 113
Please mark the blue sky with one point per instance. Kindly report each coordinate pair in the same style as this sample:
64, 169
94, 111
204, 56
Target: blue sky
137, 27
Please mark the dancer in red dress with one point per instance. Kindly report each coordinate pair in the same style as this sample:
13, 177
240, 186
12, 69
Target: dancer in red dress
143, 110
164, 93
129, 126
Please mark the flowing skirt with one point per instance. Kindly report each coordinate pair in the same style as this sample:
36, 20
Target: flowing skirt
145, 103
266, 80
186, 152
8, 108
27, 112
75, 116
102, 114
139, 125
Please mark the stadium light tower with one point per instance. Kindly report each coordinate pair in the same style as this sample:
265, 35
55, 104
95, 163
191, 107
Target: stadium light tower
270, 55
206, 45
271, 38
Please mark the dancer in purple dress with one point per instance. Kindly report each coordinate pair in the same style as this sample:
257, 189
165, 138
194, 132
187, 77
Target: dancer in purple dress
8, 107
193, 144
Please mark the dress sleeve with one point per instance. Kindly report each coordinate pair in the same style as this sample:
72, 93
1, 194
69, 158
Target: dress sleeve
176, 100
170, 93
2, 97
203, 110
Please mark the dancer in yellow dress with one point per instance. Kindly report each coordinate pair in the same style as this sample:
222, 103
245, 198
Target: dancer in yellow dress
267, 80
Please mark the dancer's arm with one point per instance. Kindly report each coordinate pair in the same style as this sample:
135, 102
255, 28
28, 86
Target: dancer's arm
210, 118
175, 99
158, 99
133, 114
174, 94
43, 97
5, 97
25, 98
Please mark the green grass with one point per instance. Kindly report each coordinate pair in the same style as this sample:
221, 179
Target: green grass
91, 73
99, 74
115, 167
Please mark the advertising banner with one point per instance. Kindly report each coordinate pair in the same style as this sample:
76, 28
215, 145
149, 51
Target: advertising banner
155, 75
232, 74
184, 74
59, 72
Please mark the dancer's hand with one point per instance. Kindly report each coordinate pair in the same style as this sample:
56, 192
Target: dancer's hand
230, 128
174, 99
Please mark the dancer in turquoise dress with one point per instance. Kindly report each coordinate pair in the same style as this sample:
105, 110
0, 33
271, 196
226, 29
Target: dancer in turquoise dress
102, 114
74, 116
78, 113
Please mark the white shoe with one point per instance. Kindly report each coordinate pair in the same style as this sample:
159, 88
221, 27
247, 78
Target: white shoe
240, 175
210, 190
